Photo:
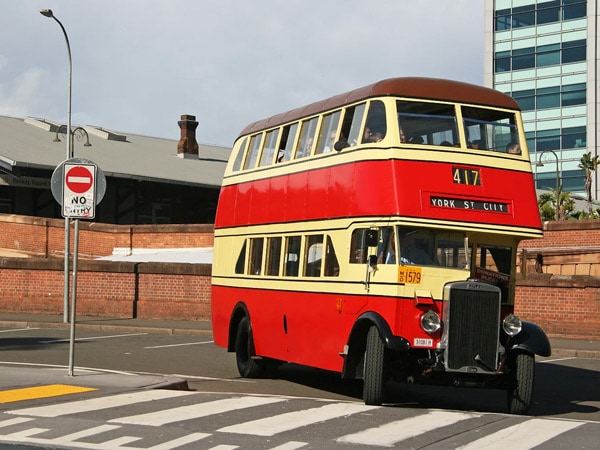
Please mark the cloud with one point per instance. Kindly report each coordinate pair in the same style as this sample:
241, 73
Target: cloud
25, 93
138, 66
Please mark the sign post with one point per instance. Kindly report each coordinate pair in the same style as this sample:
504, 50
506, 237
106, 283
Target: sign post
78, 185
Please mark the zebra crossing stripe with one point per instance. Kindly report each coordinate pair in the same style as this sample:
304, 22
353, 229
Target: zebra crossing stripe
24, 434
15, 421
68, 438
195, 411
93, 404
389, 434
524, 435
183, 440
270, 426
70, 441
291, 445
528, 434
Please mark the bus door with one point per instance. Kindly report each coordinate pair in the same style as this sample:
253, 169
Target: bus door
373, 267
495, 264
392, 273
363, 257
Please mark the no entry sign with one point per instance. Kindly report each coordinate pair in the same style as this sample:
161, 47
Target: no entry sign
79, 179
79, 191
78, 184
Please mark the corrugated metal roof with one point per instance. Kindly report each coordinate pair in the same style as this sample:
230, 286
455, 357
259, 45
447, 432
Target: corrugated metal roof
30, 144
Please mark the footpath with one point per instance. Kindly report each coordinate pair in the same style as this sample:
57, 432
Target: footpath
18, 380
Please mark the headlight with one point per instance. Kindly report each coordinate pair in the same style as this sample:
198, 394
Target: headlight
512, 325
430, 322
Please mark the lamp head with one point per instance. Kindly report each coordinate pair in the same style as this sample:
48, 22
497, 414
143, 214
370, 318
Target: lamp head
539, 164
46, 12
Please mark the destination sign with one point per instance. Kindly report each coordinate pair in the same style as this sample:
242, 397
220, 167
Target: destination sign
477, 205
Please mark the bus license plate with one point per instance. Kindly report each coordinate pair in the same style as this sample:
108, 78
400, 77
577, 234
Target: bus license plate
409, 275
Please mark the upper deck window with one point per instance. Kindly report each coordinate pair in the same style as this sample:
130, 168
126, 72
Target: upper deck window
255, 142
375, 126
286, 145
489, 129
307, 136
328, 132
239, 158
351, 124
269, 150
427, 123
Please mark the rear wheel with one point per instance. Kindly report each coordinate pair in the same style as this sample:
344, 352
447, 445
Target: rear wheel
520, 385
374, 379
247, 367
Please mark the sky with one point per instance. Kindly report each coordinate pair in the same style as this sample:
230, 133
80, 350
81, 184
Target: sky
139, 65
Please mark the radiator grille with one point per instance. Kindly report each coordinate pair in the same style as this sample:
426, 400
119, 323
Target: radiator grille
473, 318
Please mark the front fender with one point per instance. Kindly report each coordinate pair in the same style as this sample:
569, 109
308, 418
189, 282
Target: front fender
353, 360
531, 339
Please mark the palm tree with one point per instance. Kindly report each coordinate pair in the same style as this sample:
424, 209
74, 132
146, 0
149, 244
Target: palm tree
547, 205
588, 165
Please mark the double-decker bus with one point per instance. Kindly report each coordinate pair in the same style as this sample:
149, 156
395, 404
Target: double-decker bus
375, 234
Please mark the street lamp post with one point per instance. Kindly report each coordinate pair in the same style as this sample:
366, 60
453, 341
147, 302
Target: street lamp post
77, 132
48, 13
539, 163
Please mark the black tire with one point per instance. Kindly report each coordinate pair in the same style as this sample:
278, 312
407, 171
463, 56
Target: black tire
374, 371
247, 367
520, 383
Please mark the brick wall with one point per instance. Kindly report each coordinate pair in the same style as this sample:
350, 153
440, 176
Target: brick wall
182, 292
108, 289
563, 305
34, 236
569, 247
567, 233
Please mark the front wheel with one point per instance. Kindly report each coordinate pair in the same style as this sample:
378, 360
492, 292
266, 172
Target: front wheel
374, 379
247, 367
520, 383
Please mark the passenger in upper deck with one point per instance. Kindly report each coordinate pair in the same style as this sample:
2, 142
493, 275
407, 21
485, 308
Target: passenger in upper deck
371, 135
416, 139
478, 145
306, 149
376, 136
402, 135
513, 148
330, 142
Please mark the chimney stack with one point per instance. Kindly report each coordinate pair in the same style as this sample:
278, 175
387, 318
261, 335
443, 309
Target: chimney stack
187, 147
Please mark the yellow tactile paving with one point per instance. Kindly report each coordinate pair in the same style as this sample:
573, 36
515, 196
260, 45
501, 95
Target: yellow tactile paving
31, 393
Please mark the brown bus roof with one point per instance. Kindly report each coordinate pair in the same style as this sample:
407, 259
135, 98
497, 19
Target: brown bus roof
427, 88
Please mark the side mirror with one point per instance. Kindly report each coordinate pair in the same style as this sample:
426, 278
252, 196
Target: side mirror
372, 238
373, 262
341, 145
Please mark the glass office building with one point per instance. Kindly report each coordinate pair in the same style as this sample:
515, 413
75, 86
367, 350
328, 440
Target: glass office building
544, 54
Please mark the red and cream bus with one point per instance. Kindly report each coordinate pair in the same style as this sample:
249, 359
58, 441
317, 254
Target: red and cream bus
375, 234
